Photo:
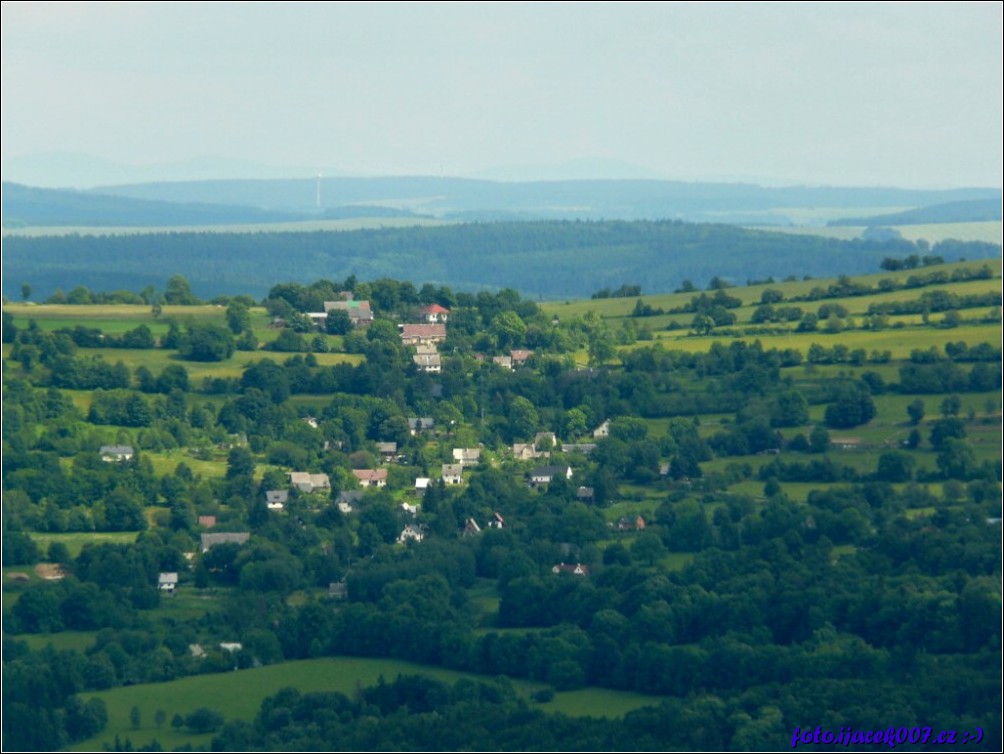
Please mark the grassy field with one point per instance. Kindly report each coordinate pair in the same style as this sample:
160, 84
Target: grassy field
75, 541
109, 317
750, 295
156, 360
78, 641
239, 695
898, 341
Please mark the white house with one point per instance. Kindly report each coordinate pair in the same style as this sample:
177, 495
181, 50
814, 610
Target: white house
453, 473
167, 582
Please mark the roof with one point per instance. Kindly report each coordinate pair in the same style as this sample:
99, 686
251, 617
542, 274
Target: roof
276, 496
426, 422
550, 471
437, 330
370, 475
350, 496
579, 569
308, 482
221, 538
466, 454
347, 306
427, 360
471, 527
168, 578
411, 532
453, 469
116, 450
435, 309
387, 447
520, 354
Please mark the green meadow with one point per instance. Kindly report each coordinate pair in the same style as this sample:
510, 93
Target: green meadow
612, 308
75, 541
239, 695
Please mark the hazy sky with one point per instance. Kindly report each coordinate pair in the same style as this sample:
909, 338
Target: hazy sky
904, 94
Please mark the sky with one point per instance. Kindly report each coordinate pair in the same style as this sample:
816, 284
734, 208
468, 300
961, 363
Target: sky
893, 94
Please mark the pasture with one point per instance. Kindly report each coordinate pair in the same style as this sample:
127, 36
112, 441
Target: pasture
239, 695
75, 541
612, 308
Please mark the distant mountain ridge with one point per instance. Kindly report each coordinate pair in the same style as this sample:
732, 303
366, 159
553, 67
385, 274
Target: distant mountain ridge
976, 210
26, 206
37, 207
456, 198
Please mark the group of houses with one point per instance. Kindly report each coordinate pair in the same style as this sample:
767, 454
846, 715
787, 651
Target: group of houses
426, 336
359, 312
451, 474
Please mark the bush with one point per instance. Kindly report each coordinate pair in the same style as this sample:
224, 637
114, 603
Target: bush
203, 720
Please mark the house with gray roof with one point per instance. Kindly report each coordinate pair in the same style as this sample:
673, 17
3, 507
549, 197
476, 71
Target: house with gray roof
220, 538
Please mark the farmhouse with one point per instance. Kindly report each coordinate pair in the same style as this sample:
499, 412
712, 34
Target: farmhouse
428, 362
413, 335
115, 453
546, 474
276, 499
387, 450
577, 570
167, 582
360, 313
371, 477
519, 357
349, 500
411, 532
211, 540
435, 313
527, 451
471, 528
419, 424
467, 457
306, 482
453, 473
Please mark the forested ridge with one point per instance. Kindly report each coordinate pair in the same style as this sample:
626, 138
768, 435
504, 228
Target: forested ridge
542, 259
759, 538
